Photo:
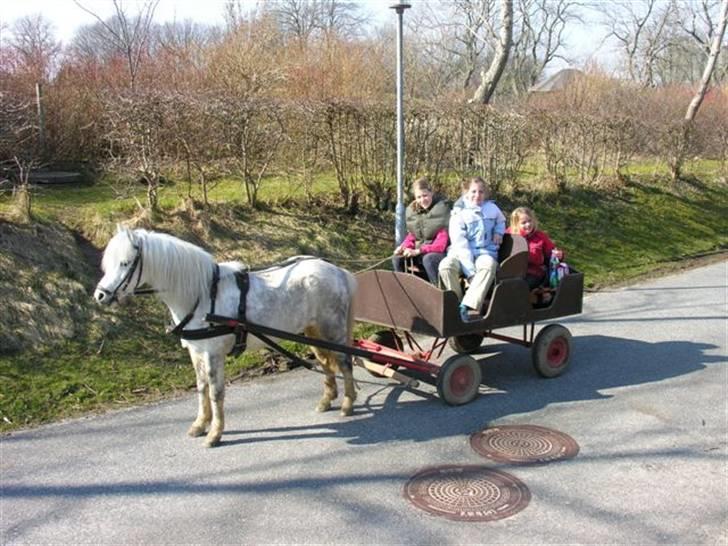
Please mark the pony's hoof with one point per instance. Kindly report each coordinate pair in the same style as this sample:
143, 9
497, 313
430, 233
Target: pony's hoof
196, 431
212, 441
324, 405
347, 408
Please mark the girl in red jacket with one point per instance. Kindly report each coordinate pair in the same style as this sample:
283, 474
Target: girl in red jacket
540, 247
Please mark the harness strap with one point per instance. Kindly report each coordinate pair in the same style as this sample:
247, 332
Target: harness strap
178, 330
241, 332
213, 287
205, 333
238, 328
200, 333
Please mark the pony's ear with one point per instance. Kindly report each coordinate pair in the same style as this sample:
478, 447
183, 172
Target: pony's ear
121, 229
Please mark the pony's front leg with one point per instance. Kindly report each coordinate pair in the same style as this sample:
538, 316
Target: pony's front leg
216, 382
204, 413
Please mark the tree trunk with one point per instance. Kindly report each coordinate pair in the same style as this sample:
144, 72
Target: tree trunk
490, 79
709, 66
681, 148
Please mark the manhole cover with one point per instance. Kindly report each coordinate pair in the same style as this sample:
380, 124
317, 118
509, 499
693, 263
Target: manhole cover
523, 444
467, 493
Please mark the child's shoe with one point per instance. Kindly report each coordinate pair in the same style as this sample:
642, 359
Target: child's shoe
465, 315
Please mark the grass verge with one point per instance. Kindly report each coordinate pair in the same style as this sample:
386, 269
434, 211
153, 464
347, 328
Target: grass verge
643, 227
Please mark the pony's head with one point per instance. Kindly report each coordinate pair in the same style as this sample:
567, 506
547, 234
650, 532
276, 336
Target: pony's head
122, 267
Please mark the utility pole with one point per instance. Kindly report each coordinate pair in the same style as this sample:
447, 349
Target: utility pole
399, 221
41, 118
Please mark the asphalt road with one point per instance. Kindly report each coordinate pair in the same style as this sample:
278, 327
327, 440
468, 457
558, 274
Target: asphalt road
645, 398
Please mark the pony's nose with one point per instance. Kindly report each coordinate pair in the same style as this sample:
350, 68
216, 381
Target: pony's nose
100, 295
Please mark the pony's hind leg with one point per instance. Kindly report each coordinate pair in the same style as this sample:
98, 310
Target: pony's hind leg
329, 365
330, 390
204, 412
345, 365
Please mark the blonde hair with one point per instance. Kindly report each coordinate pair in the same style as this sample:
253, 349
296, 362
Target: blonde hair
518, 212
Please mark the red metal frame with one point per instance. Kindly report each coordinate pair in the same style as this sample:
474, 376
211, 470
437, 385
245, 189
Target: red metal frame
392, 357
527, 340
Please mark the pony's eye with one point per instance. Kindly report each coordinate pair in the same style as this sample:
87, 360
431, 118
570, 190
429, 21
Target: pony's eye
124, 264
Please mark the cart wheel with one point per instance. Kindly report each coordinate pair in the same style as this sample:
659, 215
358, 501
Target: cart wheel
387, 338
466, 343
459, 380
551, 350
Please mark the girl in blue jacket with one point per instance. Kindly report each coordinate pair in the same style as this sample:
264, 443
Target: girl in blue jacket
476, 232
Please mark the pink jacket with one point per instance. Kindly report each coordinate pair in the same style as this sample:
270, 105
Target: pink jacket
438, 244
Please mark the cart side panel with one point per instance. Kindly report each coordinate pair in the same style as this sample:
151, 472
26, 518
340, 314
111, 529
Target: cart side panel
508, 306
567, 299
512, 257
403, 301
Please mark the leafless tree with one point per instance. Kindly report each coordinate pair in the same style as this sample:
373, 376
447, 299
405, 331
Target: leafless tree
710, 64
296, 18
34, 46
539, 38
181, 50
698, 21
341, 17
642, 31
452, 37
303, 19
125, 34
490, 78
233, 13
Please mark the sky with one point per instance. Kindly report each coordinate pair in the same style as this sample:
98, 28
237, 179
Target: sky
67, 17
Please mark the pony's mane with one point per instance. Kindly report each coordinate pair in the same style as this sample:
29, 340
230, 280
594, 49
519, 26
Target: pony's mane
184, 267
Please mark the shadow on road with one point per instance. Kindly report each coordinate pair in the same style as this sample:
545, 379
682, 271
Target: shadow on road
511, 386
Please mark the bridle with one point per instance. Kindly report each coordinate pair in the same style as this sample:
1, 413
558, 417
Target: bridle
126, 280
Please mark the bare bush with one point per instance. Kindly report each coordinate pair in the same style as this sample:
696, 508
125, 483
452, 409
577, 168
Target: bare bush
137, 136
20, 149
253, 131
302, 156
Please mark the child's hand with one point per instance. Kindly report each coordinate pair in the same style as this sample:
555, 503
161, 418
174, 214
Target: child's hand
411, 252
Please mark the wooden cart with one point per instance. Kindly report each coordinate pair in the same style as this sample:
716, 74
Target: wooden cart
411, 309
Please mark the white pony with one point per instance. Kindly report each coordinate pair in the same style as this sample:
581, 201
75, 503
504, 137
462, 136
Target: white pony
306, 295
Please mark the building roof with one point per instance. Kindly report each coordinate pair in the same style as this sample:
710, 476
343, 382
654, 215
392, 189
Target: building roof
559, 81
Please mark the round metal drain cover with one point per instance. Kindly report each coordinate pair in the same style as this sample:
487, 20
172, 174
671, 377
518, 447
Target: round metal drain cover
467, 493
523, 444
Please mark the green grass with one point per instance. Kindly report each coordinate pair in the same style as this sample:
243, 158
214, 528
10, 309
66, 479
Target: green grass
135, 362
612, 236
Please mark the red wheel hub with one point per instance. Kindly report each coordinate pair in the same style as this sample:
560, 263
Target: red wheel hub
461, 380
557, 352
